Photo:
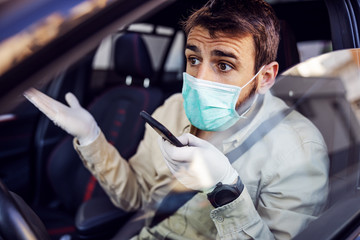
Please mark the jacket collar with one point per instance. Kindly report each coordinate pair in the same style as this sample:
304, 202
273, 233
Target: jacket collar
266, 106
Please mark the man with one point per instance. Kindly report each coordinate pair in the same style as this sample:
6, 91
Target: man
275, 188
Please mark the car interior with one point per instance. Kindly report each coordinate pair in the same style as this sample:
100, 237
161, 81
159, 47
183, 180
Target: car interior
133, 70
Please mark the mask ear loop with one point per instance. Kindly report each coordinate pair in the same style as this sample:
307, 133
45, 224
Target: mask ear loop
244, 113
254, 76
256, 96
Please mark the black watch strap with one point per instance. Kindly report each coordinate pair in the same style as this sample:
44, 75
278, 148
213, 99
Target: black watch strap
224, 193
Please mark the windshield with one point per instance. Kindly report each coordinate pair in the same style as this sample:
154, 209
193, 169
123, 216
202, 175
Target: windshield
281, 139
41, 22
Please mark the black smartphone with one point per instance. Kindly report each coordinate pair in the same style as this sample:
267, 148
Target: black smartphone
161, 129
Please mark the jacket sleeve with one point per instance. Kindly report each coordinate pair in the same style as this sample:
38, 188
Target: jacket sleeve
130, 184
114, 174
291, 195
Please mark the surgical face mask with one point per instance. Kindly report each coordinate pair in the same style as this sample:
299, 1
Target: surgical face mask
211, 106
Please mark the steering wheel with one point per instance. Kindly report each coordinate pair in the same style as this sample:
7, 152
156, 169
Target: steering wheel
18, 221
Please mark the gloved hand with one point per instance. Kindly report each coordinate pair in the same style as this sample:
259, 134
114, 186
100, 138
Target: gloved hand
199, 165
75, 120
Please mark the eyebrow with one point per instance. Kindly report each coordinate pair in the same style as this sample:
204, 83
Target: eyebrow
217, 53
220, 53
192, 48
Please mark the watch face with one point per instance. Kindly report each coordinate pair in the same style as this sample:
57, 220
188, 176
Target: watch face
225, 196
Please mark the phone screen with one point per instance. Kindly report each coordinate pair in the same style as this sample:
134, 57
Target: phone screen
160, 129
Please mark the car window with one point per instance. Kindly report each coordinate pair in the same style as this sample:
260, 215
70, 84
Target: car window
326, 90
175, 63
309, 49
165, 46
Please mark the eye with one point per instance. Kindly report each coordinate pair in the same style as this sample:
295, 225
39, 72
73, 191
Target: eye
224, 67
193, 61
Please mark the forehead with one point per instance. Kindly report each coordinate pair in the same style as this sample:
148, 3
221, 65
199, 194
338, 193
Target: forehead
237, 44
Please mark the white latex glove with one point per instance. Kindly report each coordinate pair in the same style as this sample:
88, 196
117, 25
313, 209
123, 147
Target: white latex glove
75, 120
199, 165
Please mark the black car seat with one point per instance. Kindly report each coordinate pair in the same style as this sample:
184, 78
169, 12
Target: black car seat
117, 114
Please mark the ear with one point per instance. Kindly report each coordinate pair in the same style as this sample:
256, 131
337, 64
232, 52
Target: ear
266, 79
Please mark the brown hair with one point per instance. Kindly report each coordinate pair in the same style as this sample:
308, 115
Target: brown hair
232, 17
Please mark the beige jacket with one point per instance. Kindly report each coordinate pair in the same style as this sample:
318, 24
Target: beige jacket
285, 178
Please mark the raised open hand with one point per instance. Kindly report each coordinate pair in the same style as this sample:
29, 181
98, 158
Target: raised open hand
74, 119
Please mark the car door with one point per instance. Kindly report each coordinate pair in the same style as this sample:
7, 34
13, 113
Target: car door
17, 129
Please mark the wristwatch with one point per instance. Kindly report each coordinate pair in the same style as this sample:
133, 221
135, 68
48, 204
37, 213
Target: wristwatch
224, 193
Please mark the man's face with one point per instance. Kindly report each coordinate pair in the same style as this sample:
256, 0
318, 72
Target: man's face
225, 59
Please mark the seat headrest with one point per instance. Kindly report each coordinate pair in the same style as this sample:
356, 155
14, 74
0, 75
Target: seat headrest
131, 57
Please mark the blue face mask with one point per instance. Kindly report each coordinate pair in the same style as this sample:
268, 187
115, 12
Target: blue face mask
211, 106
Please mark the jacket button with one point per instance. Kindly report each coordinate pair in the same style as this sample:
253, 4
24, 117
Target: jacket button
219, 219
